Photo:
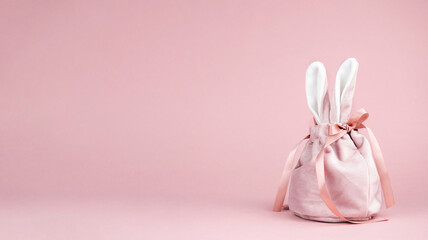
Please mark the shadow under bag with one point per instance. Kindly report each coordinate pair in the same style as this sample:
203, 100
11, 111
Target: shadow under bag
341, 174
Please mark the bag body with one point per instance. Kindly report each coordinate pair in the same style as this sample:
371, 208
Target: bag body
350, 173
340, 175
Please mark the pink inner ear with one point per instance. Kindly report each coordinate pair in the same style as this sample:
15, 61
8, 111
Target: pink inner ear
317, 92
325, 111
344, 90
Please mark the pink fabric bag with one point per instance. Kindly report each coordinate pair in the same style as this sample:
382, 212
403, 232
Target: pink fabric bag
341, 174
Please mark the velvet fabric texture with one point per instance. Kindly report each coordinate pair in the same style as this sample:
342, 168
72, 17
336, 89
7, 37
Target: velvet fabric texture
351, 177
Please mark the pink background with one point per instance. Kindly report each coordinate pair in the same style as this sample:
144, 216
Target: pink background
172, 119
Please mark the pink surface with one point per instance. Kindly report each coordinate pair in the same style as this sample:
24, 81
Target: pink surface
172, 120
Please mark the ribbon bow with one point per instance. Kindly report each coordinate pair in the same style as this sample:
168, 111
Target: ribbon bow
354, 122
336, 131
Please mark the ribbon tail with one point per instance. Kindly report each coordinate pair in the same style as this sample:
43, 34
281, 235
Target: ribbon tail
320, 172
381, 169
285, 178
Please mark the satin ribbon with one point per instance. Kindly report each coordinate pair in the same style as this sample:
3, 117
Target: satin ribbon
336, 131
285, 178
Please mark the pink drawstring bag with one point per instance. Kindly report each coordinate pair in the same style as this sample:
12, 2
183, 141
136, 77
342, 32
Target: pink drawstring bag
341, 174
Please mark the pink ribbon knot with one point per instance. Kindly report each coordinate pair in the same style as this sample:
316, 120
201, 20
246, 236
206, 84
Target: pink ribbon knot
346, 127
354, 122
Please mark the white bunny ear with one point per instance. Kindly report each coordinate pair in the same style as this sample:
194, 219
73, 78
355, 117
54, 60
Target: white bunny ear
344, 91
317, 92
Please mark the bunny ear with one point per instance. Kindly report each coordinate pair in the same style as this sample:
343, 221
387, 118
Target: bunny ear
317, 92
344, 90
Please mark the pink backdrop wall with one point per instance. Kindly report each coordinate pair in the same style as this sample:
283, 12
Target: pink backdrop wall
197, 101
